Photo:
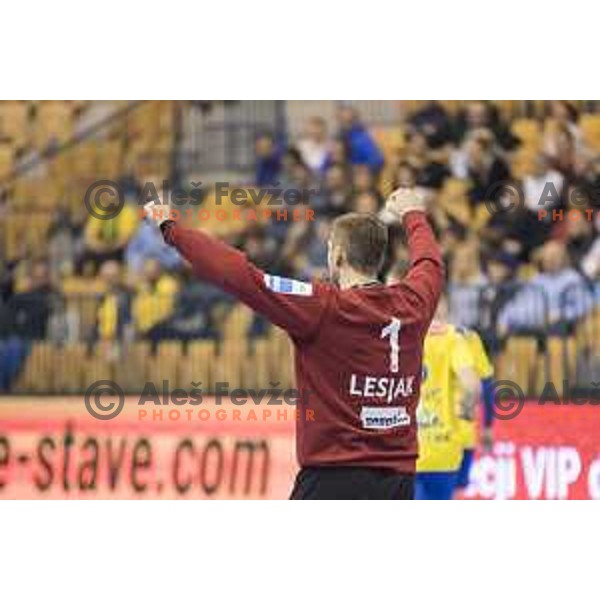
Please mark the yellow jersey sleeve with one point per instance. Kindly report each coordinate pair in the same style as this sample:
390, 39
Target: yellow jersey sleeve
464, 358
461, 354
483, 365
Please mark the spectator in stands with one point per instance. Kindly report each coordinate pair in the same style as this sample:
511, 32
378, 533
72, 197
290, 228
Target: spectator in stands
367, 203
519, 231
484, 115
113, 314
336, 192
24, 317
307, 250
560, 126
465, 283
314, 145
561, 148
591, 180
26, 314
501, 286
543, 187
268, 160
107, 239
429, 172
485, 167
362, 149
7, 279
64, 242
154, 298
590, 263
433, 122
146, 244
316, 250
578, 235
556, 297
404, 175
337, 155
363, 182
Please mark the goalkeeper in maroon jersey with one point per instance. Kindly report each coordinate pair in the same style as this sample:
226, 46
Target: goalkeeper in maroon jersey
358, 345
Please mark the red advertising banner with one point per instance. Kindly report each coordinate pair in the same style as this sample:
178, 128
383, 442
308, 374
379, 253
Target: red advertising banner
548, 451
53, 448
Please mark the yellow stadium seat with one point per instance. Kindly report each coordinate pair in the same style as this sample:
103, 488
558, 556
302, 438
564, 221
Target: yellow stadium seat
236, 324
518, 362
590, 129
561, 356
6, 160
389, 139
260, 374
199, 364
54, 121
528, 131
452, 106
523, 162
507, 108
453, 199
68, 365
164, 365
14, 120
134, 368
38, 372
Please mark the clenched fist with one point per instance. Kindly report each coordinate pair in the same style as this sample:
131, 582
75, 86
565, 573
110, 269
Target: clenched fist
402, 201
157, 213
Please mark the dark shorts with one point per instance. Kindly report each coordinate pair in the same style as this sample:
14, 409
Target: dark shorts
352, 483
464, 471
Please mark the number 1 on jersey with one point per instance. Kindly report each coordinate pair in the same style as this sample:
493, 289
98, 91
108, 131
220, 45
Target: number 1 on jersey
393, 332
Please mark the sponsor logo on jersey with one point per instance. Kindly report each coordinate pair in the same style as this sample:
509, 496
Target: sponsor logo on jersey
384, 417
283, 285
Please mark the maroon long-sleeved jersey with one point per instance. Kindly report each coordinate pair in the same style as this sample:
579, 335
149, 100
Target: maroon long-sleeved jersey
358, 351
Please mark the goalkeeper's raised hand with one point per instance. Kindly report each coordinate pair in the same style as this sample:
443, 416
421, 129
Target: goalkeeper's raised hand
157, 213
403, 201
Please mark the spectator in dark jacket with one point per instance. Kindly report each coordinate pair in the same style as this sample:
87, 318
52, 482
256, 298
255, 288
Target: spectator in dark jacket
433, 122
486, 169
26, 313
484, 115
268, 160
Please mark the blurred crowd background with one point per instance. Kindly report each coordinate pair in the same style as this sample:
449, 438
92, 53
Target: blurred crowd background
513, 189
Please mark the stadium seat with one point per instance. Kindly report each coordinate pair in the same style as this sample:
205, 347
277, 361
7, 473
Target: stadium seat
523, 162
6, 159
200, 365
135, 368
14, 121
529, 132
518, 362
53, 122
37, 374
389, 140
590, 129
453, 199
164, 364
68, 364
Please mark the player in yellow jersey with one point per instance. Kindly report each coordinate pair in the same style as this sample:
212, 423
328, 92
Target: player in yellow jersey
449, 392
468, 429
